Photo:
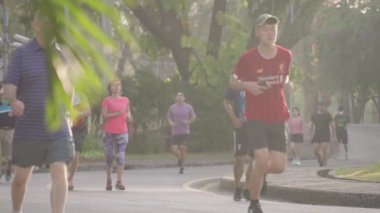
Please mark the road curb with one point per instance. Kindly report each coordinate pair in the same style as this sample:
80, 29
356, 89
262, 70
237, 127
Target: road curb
311, 196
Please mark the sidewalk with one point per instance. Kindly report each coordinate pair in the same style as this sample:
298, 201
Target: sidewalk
309, 184
304, 184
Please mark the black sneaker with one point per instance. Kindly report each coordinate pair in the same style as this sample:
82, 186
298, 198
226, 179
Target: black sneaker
264, 188
237, 194
255, 208
246, 194
181, 170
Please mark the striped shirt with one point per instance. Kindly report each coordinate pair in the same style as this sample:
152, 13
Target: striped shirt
28, 72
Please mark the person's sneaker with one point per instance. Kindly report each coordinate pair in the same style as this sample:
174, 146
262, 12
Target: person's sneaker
265, 186
255, 208
298, 162
237, 194
109, 185
119, 186
181, 170
294, 162
246, 194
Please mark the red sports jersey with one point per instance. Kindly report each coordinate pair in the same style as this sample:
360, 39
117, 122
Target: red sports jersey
269, 107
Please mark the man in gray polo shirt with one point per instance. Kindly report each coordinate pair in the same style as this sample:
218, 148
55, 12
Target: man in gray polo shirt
27, 88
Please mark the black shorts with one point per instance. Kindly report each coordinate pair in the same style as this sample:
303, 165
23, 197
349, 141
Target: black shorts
262, 135
342, 136
79, 137
296, 138
321, 137
180, 139
36, 153
240, 142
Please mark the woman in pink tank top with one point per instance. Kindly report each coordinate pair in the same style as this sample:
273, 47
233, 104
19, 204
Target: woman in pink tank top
115, 113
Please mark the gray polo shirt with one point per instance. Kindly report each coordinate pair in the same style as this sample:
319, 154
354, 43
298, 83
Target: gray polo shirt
28, 71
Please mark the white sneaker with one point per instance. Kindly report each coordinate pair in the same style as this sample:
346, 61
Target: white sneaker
294, 162
298, 163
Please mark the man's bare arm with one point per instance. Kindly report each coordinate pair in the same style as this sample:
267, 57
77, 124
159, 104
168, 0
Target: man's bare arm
17, 106
252, 87
235, 83
9, 93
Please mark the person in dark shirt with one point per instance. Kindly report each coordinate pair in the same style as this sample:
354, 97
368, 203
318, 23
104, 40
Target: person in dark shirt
321, 128
234, 105
341, 121
27, 88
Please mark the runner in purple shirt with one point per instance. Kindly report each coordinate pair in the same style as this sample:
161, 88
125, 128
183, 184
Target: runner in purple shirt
180, 116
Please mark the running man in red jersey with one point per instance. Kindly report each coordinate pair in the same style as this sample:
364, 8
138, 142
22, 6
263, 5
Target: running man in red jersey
262, 73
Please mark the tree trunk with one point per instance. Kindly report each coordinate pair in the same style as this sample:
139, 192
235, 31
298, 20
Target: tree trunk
168, 28
216, 28
360, 104
122, 60
311, 95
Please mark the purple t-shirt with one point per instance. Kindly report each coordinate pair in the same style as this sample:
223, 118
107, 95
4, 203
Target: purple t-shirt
178, 113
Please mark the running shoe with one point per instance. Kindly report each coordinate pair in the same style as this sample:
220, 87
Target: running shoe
255, 208
237, 194
246, 194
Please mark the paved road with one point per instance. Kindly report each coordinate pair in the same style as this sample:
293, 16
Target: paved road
160, 190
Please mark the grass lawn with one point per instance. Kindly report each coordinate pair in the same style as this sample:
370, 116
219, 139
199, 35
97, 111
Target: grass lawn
369, 173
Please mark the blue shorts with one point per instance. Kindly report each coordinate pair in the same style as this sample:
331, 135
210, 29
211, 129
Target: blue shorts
36, 153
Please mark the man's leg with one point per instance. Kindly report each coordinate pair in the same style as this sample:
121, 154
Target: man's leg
345, 150
58, 193
241, 150
256, 179
183, 155
72, 169
238, 169
317, 152
324, 149
174, 149
277, 162
345, 144
18, 188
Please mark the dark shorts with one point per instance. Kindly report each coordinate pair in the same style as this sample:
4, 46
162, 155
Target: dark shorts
262, 135
296, 138
180, 139
79, 137
321, 137
342, 136
36, 153
240, 142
